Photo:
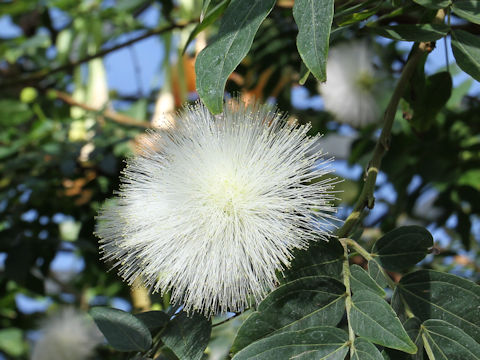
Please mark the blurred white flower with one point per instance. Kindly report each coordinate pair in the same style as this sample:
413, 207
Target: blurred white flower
67, 335
348, 92
212, 208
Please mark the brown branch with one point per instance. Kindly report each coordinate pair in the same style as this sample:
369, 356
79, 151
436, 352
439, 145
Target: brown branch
366, 198
42, 74
112, 115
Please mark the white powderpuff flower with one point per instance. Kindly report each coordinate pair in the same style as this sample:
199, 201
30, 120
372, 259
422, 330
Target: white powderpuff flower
348, 92
212, 208
67, 335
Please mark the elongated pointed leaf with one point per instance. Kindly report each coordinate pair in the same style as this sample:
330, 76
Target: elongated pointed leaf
314, 20
235, 36
372, 318
466, 49
403, 247
206, 21
323, 342
444, 341
419, 32
300, 304
123, 331
187, 336
435, 295
467, 9
365, 350
360, 280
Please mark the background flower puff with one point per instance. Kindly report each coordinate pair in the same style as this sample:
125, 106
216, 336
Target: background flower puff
212, 207
351, 90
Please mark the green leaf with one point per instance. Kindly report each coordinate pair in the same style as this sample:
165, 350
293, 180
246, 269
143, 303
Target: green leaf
365, 350
435, 295
372, 318
467, 9
322, 342
187, 336
417, 32
13, 113
208, 20
412, 327
218, 60
321, 258
403, 247
434, 4
314, 20
430, 99
11, 342
459, 92
154, 320
377, 274
123, 331
360, 280
444, 341
300, 304
466, 49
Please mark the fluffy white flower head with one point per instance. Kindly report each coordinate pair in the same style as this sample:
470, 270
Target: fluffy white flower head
212, 208
348, 92
67, 335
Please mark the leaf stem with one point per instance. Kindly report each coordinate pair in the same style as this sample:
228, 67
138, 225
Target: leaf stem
366, 198
359, 248
348, 300
367, 256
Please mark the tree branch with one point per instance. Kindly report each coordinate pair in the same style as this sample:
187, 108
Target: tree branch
112, 115
366, 198
42, 74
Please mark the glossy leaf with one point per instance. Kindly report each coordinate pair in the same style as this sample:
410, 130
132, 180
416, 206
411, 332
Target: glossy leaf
154, 320
323, 342
123, 331
365, 350
466, 49
314, 21
235, 36
297, 305
361, 280
419, 32
444, 341
372, 318
467, 9
321, 258
187, 336
403, 247
434, 295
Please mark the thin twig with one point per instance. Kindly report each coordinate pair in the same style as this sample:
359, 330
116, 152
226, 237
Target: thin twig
366, 198
41, 74
227, 320
112, 115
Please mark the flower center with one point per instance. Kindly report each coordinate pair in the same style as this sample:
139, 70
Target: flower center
365, 81
227, 193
